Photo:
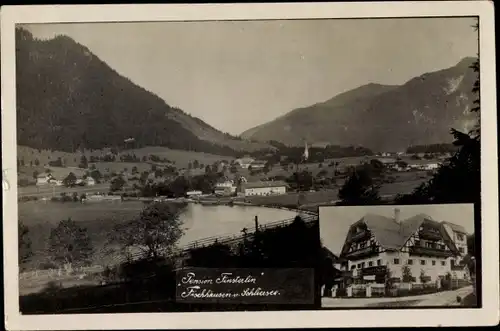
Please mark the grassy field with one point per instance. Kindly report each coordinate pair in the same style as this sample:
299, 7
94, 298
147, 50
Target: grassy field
98, 218
404, 187
49, 191
180, 158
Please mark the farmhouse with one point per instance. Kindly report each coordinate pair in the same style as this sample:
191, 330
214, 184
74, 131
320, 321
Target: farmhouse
264, 188
418, 247
258, 165
458, 235
89, 181
423, 165
44, 179
226, 187
244, 162
192, 194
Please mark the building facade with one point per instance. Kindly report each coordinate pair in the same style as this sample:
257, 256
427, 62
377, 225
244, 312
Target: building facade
416, 250
44, 179
264, 188
458, 235
244, 162
257, 165
225, 188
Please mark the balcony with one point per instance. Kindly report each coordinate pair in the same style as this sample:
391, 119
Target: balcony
429, 235
363, 235
362, 253
380, 270
427, 251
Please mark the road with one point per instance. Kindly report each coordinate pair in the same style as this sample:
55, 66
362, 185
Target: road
446, 298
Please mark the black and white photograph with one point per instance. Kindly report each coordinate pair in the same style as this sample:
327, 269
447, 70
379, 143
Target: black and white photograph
400, 256
232, 158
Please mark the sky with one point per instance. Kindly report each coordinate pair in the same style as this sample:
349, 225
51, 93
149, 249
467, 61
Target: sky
334, 222
236, 75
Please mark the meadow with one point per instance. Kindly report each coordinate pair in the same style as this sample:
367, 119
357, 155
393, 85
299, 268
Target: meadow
180, 158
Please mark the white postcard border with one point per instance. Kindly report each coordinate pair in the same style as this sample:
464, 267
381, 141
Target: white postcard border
488, 315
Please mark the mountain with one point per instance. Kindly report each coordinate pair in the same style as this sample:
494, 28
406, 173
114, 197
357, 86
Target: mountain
383, 118
67, 98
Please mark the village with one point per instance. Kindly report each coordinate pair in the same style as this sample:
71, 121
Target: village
242, 177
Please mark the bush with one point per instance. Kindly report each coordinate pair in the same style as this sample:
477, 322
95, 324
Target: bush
341, 292
416, 291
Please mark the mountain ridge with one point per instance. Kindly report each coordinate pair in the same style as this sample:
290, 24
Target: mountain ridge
63, 90
394, 116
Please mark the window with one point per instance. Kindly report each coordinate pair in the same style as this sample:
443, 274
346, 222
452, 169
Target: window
359, 265
353, 267
443, 262
396, 261
460, 236
410, 262
422, 262
417, 243
362, 264
379, 262
452, 262
362, 245
370, 264
461, 249
433, 262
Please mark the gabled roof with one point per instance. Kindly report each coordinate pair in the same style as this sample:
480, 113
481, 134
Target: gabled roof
386, 230
455, 227
393, 235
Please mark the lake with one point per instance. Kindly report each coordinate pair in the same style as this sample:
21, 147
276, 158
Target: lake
99, 218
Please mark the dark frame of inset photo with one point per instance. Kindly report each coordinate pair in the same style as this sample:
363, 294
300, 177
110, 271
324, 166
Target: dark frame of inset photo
400, 256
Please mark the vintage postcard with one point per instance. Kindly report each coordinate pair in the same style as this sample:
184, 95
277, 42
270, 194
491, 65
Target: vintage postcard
249, 165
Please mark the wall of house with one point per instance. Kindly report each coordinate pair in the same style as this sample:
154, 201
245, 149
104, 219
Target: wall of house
365, 263
265, 190
460, 240
42, 180
433, 266
396, 267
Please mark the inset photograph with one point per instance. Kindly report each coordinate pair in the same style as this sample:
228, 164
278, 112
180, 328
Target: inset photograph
399, 256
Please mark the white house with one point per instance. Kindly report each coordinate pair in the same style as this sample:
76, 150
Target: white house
226, 187
431, 166
44, 179
458, 234
419, 244
90, 181
264, 188
258, 165
244, 162
192, 194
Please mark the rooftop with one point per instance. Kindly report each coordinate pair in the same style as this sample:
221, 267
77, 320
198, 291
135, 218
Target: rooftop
260, 184
455, 227
393, 235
